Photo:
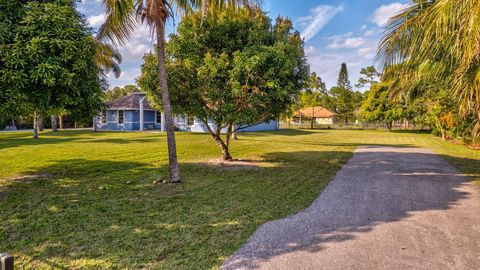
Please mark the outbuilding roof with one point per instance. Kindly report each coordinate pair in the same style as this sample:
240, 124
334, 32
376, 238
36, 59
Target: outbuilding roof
317, 112
130, 102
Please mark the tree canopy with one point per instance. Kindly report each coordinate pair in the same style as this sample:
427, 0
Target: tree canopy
48, 62
237, 71
438, 40
378, 107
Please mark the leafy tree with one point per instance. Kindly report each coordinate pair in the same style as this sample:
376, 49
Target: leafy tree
48, 64
379, 108
230, 73
370, 76
122, 19
314, 95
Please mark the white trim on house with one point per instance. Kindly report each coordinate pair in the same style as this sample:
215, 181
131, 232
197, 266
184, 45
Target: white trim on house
157, 113
118, 117
103, 119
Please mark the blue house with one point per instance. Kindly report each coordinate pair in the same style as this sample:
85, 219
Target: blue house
133, 112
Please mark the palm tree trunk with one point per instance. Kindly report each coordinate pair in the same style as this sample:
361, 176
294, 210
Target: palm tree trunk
172, 148
204, 9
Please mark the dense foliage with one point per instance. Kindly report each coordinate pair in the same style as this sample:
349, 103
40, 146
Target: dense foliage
343, 100
118, 92
378, 107
432, 50
233, 72
47, 61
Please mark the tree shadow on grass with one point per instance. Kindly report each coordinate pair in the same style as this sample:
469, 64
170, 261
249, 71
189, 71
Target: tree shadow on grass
98, 214
62, 137
86, 211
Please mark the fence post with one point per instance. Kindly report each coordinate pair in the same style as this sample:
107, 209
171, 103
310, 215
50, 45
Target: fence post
6, 261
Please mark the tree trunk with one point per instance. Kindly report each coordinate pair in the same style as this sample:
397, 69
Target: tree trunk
204, 9
223, 146
60, 121
313, 117
94, 127
40, 123
389, 126
53, 119
444, 134
229, 135
233, 133
174, 171
216, 136
35, 126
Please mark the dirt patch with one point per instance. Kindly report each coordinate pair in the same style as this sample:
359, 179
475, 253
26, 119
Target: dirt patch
29, 177
236, 164
5, 182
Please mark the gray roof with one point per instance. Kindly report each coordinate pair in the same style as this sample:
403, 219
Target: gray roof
130, 102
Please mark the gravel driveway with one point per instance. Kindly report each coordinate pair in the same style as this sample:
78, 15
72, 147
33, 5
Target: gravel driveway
387, 208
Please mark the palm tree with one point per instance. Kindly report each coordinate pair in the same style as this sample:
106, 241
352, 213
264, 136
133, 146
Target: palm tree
440, 31
108, 59
122, 18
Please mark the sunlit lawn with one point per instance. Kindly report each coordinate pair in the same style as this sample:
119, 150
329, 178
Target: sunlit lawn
90, 201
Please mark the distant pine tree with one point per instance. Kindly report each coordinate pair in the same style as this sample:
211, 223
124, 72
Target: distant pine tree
343, 81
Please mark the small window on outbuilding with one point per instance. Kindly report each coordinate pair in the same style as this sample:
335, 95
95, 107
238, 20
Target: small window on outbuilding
158, 119
121, 118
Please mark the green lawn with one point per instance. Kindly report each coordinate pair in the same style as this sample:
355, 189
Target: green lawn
90, 201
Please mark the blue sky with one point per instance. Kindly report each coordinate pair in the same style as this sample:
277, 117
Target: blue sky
334, 31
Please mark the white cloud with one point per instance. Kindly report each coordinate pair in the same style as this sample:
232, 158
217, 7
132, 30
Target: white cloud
356, 51
367, 52
369, 33
96, 20
139, 43
318, 18
345, 41
382, 14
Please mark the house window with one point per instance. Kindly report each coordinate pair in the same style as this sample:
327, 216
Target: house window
121, 119
190, 120
158, 119
104, 117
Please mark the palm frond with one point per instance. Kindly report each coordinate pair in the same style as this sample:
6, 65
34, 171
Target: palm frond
121, 21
